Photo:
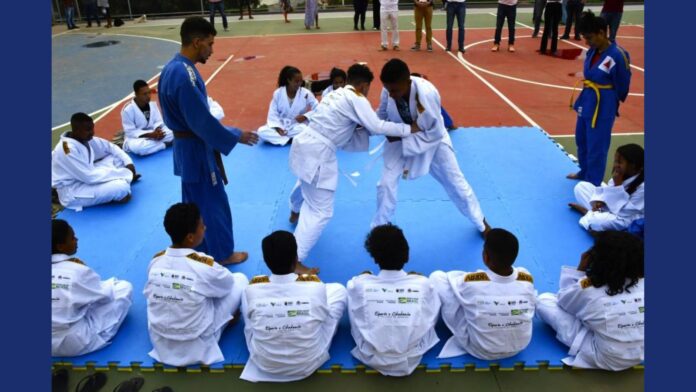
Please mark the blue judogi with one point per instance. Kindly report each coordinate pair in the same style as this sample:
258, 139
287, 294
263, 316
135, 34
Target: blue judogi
198, 135
606, 83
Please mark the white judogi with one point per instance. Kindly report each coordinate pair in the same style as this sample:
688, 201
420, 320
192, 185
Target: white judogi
85, 176
289, 322
86, 312
623, 208
424, 152
135, 125
282, 113
327, 91
490, 315
313, 156
215, 109
392, 319
190, 300
389, 17
602, 331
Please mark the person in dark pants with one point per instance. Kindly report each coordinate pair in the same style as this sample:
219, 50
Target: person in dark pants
456, 8
360, 7
552, 17
612, 12
242, 3
375, 15
220, 6
506, 9
539, 6
91, 11
574, 9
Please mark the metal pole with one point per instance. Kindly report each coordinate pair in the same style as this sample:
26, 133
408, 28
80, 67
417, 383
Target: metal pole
58, 8
129, 10
202, 9
77, 7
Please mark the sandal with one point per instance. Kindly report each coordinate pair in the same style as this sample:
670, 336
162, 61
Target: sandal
132, 385
92, 383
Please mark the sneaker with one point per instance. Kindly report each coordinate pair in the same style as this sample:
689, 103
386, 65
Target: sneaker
565, 37
430, 47
251, 17
355, 28
495, 48
375, 28
448, 49
415, 47
511, 48
396, 47
383, 48
578, 39
462, 51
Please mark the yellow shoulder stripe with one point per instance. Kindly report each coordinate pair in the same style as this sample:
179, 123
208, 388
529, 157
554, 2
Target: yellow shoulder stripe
585, 283
307, 278
525, 277
260, 279
158, 254
76, 260
201, 259
477, 277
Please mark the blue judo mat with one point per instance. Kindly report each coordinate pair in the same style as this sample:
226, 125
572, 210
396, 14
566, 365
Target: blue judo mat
518, 175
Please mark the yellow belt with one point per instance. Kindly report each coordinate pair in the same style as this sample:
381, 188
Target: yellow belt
594, 86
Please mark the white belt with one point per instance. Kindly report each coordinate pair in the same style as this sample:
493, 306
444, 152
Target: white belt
321, 138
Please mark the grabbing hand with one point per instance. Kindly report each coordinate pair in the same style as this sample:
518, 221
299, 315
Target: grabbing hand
598, 206
249, 138
300, 118
414, 128
281, 131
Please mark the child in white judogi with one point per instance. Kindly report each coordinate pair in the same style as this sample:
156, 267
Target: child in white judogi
413, 100
88, 170
338, 80
489, 312
286, 112
144, 129
86, 312
313, 153
615, 205
289, 319
599, 311
190, 297
392, 314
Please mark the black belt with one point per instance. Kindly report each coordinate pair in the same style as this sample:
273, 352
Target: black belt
184, 135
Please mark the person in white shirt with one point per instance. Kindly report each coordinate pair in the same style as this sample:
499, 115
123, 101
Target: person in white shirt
190, 297
389, 20
288, 107
413, 100
489, 311
87, 170
392, 314
289, 319
144, 129
86, 312
599, 311
333, 125
615, 205
338, 80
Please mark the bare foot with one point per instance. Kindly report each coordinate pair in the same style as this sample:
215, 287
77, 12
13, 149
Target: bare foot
573, 176
577, 207
235, 258
124, 200
294, 217
486, 229
235, 319
302, 269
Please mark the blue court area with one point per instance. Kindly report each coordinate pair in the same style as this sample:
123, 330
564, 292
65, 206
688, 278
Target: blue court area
517, 173
91, 70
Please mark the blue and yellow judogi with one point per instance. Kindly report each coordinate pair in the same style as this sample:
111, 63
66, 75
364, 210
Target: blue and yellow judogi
198, 139
606, 83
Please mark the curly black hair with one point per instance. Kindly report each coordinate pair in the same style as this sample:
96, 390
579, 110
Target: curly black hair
60, 230
180, 220
388, 246
616, 260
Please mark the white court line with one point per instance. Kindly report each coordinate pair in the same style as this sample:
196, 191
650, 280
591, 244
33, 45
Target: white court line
129, 35
613, 134
218, 69
578, 45
524, 80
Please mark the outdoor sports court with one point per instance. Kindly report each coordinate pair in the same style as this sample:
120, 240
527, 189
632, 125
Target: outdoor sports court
513, 118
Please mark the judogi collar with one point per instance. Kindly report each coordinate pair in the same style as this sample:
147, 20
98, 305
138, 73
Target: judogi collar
179, 252
390, 274
503, 279
58, 257
287, 278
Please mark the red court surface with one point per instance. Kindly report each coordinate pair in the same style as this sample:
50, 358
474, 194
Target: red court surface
245, 84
